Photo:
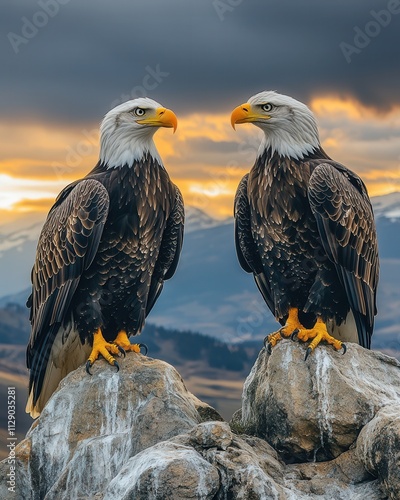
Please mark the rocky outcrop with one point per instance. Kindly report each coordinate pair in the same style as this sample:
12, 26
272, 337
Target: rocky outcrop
378, 447
93, 425
139, 434
314, 410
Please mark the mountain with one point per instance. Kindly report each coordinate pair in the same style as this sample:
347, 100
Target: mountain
387, 206
210, 293
196, 219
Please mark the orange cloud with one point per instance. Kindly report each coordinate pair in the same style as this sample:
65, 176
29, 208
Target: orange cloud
323, 106
40, 151
38, 205
37, 160
349, 107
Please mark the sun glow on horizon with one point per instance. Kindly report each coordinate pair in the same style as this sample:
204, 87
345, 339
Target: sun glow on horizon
205, 158
14, 190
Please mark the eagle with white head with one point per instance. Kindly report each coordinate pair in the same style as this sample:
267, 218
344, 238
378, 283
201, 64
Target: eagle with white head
109, 242
304, 227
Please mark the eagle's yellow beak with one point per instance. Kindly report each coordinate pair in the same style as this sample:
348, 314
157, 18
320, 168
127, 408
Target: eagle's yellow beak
245, 114
163, 118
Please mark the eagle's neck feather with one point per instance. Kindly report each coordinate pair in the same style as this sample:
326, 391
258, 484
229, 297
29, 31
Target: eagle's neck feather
296, 136
286, 146
127, 148
144, 170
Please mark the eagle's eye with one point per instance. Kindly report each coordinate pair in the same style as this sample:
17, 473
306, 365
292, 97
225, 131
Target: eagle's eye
139, 111
266, 107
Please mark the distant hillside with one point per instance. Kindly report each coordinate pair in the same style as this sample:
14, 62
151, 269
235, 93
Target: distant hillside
187, 346
14, 324
210, 293
213, 370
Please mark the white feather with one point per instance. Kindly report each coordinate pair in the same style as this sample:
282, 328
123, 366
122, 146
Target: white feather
122, 139
345, 332
291, 129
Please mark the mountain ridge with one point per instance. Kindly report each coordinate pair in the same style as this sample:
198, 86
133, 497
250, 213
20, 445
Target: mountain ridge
210, 293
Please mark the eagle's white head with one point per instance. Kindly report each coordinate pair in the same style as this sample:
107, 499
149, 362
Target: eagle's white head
289, 126
126, 133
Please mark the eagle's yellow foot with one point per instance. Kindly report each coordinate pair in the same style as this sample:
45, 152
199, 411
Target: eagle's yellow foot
292, 327
319, 333
101, 346
122, 341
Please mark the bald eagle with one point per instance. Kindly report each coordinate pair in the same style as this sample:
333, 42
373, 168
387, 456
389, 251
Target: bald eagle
304, 227
109, 242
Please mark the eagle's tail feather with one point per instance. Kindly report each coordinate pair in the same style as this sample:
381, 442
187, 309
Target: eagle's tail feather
65, 355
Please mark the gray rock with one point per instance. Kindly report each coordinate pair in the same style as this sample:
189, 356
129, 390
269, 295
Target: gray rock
93, 425
315, 409
247, 467
378, 447
211, 434
344, 478
166, 470
139, 434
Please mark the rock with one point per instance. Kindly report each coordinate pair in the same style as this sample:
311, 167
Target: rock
139, 434
210, 435
341, 479
166, 470
249, 467
378, 447
93, 425
315, 409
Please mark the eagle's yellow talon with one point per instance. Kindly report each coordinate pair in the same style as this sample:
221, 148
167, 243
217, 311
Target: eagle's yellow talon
292, 326
122, 340
292, 323
271, 340
101, 346
135, 348
318, 333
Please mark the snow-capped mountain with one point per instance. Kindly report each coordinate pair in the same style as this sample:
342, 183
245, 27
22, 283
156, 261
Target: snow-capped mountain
387, 206
210, 293
196, 219
18, 241
17, 238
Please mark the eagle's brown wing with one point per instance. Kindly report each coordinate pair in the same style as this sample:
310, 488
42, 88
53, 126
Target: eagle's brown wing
67, 246
246, 248
343, 211
170, 250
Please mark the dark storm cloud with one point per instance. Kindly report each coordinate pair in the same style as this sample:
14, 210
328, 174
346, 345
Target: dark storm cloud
90, 55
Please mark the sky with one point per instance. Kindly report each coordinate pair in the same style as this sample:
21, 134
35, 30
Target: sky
65, 63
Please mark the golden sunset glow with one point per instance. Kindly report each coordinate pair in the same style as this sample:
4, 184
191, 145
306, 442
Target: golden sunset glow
205, 157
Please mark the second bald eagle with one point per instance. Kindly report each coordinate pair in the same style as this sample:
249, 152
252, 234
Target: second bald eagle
305, 229
109, 242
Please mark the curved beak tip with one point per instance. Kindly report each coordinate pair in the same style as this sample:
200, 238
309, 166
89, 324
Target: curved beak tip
239, 114
171, 119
